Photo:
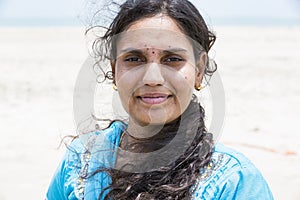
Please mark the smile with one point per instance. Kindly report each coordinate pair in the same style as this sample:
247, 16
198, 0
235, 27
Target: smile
154, 98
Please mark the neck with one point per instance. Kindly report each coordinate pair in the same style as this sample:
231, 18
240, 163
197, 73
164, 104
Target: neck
148, 138
143, 132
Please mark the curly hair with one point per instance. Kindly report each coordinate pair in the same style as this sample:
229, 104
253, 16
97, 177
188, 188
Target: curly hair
186, 15
175, 180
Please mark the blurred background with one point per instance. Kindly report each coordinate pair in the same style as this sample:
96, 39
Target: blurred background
42, 48
231, 12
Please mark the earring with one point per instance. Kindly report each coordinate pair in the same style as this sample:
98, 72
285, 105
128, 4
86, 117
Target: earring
198, 88
115, 87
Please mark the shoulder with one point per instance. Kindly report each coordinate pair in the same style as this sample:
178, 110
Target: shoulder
67, 182
85, 142
69, 178
230, 175
233, 158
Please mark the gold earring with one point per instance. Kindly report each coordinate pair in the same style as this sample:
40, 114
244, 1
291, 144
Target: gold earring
198, 88
115, 87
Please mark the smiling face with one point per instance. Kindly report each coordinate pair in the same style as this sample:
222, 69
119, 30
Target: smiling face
155, 70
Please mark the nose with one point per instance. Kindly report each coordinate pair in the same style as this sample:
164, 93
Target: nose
153, 75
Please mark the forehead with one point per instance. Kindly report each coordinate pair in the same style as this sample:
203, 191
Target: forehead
157, 21
159, 32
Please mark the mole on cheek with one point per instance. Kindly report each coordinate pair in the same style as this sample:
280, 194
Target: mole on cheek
153, 52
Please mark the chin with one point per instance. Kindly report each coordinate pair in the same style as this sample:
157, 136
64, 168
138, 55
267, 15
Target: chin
155, 121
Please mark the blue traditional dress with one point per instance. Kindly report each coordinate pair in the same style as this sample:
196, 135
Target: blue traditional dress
229, 175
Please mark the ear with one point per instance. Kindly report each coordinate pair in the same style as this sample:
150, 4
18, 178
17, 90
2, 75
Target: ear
112, 65
200, 67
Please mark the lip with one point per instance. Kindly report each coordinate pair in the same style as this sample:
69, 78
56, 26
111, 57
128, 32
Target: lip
154, 98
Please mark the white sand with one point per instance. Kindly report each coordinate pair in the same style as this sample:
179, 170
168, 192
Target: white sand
38, 69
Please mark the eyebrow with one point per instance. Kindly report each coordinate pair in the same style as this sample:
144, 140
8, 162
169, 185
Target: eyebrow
131, 50
140, 51
174, 50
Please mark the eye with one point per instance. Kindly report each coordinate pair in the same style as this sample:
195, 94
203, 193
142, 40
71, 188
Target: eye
173, 59
134, 59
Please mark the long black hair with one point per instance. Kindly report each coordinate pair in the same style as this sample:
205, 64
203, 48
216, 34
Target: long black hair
175, 180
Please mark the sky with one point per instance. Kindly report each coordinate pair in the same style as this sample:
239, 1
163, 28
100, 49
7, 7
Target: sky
64, 12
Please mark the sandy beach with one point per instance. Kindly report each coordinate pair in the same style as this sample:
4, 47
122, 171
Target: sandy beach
38, 70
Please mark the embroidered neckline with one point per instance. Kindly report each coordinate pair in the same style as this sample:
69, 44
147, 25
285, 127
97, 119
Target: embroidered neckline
208, 170
85, 159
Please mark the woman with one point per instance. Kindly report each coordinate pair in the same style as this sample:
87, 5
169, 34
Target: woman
158, 54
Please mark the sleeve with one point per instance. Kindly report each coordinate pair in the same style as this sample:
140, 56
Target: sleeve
64, 180
231, 176
245, 183
56, 187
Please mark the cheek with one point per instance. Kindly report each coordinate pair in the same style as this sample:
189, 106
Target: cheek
127, 82
119, 71
184, 84
122, 75
186, 77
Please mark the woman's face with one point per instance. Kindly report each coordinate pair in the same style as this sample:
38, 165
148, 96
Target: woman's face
155, 70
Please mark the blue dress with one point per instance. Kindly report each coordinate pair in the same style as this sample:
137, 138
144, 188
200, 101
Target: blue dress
229, 175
